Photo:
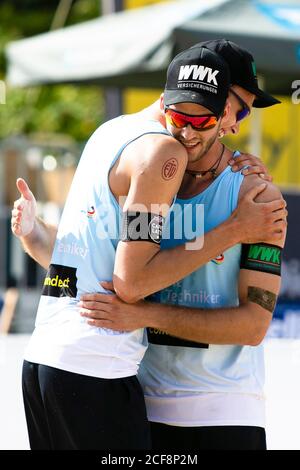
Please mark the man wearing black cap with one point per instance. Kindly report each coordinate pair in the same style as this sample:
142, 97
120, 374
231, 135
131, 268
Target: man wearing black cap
148, 169
242, 69
204, 391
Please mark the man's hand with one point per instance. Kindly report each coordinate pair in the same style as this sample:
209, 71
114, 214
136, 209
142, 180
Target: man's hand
254, 164
109, 311
260, 222
37, 237
24, 211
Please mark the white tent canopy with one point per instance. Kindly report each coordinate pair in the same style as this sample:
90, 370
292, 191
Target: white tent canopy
130, 42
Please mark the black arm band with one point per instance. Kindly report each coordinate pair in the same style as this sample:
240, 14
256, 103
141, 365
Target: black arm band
142, 226
262, 257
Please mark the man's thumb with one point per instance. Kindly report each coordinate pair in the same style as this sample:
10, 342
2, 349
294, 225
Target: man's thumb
107, 285
253, 192
24, 189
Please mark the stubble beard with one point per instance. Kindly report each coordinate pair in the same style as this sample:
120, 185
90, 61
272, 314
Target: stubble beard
207, 146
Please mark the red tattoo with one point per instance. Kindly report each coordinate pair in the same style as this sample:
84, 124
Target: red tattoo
169, 169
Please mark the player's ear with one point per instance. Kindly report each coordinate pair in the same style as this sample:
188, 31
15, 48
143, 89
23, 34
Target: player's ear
161, 102
226, 113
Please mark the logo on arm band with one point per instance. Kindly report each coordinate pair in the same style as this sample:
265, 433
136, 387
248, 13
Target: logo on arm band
262, 257
142, 226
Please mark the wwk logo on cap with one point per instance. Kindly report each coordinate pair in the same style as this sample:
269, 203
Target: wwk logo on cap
198, 72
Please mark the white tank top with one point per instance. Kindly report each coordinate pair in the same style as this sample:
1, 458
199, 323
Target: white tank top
84, 254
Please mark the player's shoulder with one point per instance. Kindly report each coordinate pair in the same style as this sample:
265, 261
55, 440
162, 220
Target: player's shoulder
159, 147
271, 192
154, 150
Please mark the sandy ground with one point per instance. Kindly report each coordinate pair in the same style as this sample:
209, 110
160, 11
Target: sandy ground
13, 434
282, 391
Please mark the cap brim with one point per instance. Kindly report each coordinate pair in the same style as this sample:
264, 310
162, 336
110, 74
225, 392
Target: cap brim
188, 96
263, 99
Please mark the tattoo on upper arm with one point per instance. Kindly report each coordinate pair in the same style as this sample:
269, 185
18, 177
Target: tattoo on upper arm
262, 297
169, 169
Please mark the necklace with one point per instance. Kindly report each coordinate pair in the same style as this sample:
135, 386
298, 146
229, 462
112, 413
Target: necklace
212, 169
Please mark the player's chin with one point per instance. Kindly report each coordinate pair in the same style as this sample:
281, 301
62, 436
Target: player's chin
194, 153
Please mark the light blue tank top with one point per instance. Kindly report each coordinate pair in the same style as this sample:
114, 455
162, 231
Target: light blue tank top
174, 367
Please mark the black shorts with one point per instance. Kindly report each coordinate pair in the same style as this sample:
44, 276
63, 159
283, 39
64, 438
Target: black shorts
72, 411
207, 438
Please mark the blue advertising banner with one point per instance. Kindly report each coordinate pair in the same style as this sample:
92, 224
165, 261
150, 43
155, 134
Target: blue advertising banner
286, 15
286, 322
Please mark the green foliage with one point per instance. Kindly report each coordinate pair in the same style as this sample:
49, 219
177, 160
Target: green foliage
75, 111
69, 109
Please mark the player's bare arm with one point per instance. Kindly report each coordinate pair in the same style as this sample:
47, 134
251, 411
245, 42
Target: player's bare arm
246, 324
38, 238
142, 268
28, 230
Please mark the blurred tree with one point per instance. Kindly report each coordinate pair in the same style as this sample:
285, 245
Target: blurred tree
69, 109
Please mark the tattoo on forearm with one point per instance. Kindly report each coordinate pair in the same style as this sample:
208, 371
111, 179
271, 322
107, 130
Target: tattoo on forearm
169, 169
262, 297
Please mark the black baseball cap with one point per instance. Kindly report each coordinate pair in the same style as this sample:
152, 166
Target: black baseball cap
242, 69
198, 75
